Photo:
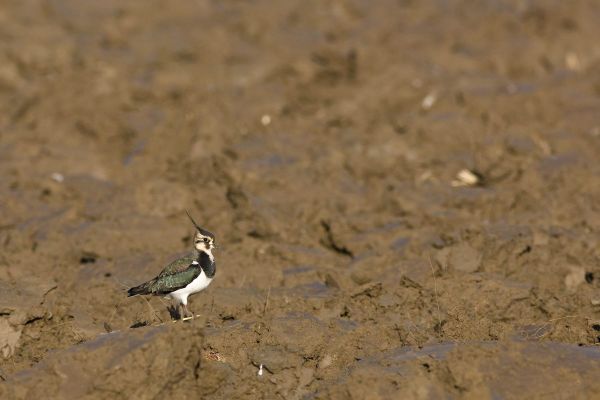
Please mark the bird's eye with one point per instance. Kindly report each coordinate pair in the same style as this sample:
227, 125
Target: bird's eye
206, 240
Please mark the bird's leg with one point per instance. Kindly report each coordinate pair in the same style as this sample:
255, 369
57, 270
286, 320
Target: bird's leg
189, 315
181, 308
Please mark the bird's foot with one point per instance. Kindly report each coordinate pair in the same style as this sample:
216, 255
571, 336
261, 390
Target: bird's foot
187, 315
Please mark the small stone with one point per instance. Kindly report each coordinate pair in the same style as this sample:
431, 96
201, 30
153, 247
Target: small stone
331, 282
572, 61
360, 277
360, 271
265, 120
387, 300
57, 177
325, 362
9, 338
305, 376
574, 278
464, 258
540, 239
273, 358
429, 101
467, 177
369, 289
441, 258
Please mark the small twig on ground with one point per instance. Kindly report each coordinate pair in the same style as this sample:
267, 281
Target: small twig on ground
124, 286
267, 301
410, 333
549, 322
152, 310
437, 303
115, 311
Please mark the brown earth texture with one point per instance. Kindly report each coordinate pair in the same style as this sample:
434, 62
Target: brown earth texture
405, 195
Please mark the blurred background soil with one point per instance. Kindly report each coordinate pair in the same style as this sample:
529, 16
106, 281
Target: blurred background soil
322, 143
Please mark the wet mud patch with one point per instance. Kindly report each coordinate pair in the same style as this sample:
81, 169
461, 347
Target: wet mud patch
483, 369
157, 361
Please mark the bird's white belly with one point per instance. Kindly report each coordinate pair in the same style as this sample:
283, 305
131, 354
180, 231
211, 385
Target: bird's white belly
198, 284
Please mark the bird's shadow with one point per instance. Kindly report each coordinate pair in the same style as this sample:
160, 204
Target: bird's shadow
174, 312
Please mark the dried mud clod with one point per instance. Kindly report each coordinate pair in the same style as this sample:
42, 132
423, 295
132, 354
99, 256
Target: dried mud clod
158, 360
332, 243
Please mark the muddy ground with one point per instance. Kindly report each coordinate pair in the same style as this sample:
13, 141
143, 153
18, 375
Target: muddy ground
321, 142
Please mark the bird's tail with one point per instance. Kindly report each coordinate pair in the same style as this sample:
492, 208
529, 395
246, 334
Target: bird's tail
141, 289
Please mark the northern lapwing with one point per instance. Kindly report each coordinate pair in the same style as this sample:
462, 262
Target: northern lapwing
186, 275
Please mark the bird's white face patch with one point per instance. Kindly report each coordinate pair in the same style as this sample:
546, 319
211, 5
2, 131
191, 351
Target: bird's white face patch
203, 243
194, 262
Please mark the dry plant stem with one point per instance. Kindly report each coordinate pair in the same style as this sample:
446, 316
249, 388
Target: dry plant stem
416, 328
112, 315
535, 336
437, 303
267, 301
152, 310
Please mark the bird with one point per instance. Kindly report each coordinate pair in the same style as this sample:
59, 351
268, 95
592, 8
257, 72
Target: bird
185, 276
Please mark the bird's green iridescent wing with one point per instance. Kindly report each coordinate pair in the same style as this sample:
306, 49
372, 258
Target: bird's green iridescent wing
179, 265
178, 274
168, 283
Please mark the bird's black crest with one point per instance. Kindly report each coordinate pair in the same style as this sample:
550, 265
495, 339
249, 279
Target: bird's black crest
204, 232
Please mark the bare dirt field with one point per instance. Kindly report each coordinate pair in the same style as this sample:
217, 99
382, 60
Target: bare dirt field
322, 143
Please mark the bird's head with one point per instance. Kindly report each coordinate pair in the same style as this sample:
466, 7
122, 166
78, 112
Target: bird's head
203, 239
